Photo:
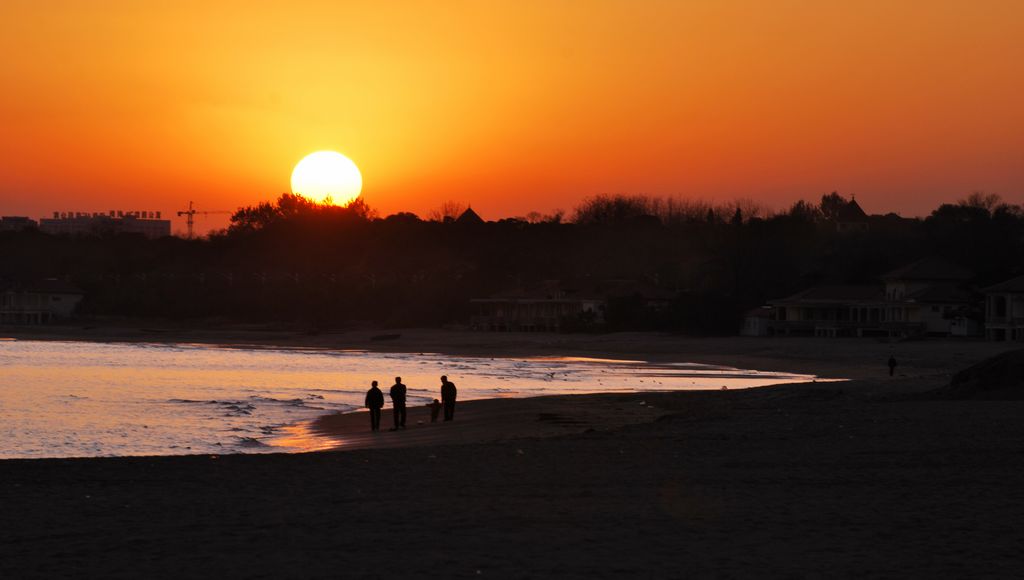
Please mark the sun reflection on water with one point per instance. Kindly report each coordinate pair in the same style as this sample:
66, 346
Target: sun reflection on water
302, 438
67, 399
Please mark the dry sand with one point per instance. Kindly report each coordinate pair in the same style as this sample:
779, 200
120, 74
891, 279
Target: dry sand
852, 479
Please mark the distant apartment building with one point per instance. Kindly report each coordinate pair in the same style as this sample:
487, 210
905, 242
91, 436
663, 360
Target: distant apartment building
147, 223
10, 223
39, 303
927, 298
1004, 310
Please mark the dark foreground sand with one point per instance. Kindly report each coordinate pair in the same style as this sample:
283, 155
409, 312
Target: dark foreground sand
855, 479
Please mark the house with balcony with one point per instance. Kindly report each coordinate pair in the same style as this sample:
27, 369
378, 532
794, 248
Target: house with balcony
1004, 310
930, 297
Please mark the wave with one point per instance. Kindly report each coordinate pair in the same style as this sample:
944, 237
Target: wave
250, 442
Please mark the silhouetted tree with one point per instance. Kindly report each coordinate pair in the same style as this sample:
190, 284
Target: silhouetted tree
832, 205
447, 211
981, 200
737, 218
804, 211
292, 207
297, 263
615, 210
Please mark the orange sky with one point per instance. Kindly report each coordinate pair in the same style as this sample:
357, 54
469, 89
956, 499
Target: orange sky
511, 106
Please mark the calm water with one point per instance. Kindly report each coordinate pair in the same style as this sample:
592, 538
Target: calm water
78, 399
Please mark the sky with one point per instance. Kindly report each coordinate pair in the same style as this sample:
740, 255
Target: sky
510, 106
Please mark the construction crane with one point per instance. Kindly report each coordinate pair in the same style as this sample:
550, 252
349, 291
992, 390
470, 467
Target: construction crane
191, 216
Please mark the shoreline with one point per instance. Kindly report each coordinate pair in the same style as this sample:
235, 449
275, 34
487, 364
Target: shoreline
862, 478
848, 357
482, 421
345, 429
923, 363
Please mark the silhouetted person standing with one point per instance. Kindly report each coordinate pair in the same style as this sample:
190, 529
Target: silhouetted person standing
448, 392
435, 410
892, 365
374, 402
398, 402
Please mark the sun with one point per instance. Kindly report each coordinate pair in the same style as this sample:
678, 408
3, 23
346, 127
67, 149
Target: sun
327, 175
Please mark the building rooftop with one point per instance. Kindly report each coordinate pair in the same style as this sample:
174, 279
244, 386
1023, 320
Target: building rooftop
759, 312
1011, 285
943, 294
44, 286
839, 293
585, 289
851, 212
930, 269
469, 217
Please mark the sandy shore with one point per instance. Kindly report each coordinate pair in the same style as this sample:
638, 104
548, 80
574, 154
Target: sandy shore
482, 421
852, 479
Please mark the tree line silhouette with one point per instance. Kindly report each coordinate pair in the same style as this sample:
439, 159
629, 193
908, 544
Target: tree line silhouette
301, 264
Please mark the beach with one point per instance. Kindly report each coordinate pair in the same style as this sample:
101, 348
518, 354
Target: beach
869, 477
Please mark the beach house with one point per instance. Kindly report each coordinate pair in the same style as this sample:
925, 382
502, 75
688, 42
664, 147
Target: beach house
930, 297
547, 307
566, 305
39, 303
1004, 310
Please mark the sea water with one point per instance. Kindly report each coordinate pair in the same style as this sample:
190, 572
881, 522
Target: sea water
91, 399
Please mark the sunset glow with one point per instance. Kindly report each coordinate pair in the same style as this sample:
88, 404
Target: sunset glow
510, 106
511, 288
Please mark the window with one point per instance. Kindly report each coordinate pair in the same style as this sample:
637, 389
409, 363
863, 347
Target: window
1000, 306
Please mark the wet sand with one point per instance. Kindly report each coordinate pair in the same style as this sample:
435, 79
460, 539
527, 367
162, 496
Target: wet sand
482, 421
852, 479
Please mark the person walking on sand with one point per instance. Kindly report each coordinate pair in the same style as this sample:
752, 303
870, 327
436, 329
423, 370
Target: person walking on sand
448, 393
892, 364
398, 402
374, 402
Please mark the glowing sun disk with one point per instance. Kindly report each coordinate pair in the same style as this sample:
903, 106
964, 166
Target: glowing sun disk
327, 174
